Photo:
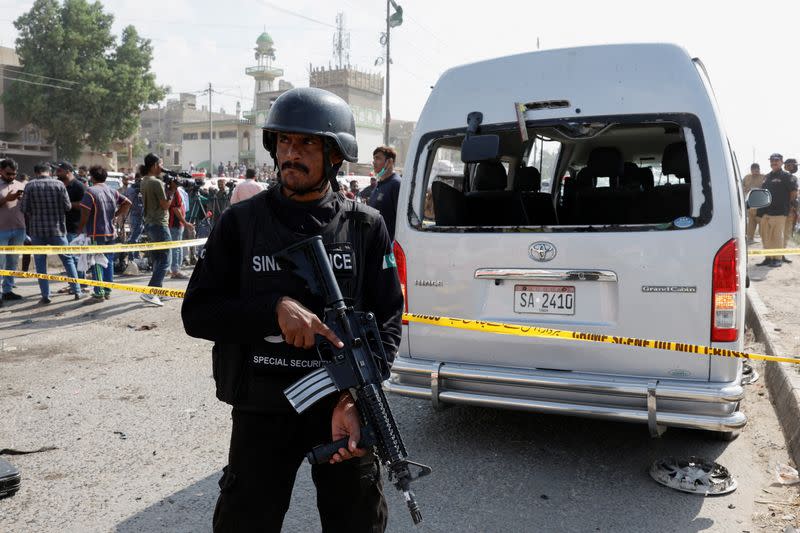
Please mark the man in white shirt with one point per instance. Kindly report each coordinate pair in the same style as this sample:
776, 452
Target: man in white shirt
246, 189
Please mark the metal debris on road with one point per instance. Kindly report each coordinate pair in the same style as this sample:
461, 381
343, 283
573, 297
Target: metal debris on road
749, 374
694, 475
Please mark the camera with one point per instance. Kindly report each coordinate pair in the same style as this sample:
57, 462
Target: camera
230, 185
171, 176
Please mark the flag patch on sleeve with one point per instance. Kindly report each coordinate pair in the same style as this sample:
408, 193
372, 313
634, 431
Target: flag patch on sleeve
389, 261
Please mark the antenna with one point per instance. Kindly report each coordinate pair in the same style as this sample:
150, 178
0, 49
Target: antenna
341, 43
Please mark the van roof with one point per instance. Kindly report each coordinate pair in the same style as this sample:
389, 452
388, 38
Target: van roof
597, 80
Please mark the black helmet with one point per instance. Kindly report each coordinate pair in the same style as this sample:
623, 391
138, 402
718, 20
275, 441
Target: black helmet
314, 111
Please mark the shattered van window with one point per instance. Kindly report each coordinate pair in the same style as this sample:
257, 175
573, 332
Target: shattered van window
621, 172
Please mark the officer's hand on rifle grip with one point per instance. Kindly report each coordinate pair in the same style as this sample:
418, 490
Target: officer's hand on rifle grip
345, 422
299, 325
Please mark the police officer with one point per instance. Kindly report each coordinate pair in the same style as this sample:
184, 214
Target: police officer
773, 217
263, 320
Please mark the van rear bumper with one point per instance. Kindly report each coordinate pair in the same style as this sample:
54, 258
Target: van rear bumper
656, 402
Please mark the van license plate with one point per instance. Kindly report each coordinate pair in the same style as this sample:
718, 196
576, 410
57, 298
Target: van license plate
544, 299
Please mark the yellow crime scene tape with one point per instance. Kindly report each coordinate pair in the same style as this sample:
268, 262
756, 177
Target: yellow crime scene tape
775, 251
99, 248
547, 333
469, 325
158, 291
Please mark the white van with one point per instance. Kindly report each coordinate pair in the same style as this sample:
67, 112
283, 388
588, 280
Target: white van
596, 192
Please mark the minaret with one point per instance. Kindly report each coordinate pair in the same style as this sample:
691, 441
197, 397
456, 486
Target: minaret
265, 91
264, 72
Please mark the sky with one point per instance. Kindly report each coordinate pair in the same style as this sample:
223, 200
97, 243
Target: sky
750, 52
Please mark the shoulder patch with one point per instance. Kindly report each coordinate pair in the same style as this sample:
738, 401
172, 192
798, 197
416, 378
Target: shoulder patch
389, 261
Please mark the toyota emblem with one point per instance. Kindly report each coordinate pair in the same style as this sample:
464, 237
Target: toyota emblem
542, 251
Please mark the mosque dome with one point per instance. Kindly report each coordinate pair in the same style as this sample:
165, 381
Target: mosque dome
264, 38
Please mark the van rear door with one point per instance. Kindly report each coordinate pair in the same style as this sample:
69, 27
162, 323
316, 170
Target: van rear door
647, 278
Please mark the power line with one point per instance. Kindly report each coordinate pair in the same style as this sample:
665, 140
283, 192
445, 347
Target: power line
17, 72
273, 6
37, 83
415, 21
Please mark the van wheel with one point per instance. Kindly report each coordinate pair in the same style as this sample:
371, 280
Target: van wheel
726, 436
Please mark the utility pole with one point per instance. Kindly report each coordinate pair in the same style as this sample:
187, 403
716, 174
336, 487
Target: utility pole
210, 133
392, 21
388, 85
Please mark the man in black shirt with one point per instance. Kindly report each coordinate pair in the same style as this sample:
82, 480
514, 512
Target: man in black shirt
263, 320
367, 191
773, 217
75, 189
384, 197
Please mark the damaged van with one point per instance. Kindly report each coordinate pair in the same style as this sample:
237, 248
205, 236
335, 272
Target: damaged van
587, 189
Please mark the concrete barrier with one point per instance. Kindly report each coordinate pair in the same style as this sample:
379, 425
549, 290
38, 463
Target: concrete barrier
782, 379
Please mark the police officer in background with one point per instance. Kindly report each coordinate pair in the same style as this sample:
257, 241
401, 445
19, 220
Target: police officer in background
773, 217
269, 318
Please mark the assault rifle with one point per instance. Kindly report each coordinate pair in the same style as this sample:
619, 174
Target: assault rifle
360, 365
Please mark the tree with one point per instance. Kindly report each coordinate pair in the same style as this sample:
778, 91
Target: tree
95, 87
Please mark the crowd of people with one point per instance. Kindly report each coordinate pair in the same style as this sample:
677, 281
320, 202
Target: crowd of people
776, 222
59, 206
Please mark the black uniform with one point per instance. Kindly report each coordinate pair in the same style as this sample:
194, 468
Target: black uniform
780, 184
231, 300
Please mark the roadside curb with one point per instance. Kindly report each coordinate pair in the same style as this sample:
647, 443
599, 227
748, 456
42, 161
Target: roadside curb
782, 381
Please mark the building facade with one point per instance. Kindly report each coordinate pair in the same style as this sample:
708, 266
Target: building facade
162, 129
363, 92
231, 139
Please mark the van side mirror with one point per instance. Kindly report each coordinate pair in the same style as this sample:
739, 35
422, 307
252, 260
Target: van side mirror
758, 198
477, 148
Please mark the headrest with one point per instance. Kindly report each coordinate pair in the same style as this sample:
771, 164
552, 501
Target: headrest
630, 176
490, 176
528, 179
630, 169
676, 160
605, 161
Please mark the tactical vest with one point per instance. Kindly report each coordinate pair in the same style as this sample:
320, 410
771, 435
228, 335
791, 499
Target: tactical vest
252, 377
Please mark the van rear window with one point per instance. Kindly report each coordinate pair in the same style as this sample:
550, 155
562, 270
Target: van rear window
603, 173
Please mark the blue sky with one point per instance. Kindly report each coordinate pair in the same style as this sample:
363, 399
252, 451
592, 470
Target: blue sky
750, 53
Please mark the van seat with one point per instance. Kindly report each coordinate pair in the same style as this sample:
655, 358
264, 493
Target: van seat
667, 202
539, 208
675, 161
490, 176
646, 179
630, 176
490, 204
527, 179
606, 205
449, 205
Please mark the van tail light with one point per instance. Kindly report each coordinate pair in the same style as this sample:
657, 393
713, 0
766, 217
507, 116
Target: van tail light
400, 259
725, 289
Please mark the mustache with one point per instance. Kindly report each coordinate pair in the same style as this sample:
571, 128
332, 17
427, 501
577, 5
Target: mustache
297, 166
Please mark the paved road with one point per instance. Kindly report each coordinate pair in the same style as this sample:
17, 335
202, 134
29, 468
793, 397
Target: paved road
141, 440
